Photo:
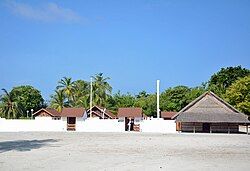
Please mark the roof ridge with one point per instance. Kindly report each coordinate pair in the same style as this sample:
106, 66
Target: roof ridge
191, 104
202, 96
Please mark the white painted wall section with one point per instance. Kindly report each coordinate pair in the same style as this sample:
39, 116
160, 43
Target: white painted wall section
158, 125
88, 125
99, 125
41, 124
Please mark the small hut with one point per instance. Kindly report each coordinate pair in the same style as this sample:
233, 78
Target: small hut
132, 117
101, 113
47, 113
69, 115
167, 115
209, 113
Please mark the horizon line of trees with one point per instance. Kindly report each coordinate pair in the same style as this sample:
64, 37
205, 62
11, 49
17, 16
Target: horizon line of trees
231, 84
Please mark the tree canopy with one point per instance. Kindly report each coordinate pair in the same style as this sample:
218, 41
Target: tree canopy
20, 100
221, 80
238, 94
231, 84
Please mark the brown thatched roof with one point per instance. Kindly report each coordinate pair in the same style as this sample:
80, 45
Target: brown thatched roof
130, 112
210, 108
49, 111
97, 110
167, 114
73, 112
66, 112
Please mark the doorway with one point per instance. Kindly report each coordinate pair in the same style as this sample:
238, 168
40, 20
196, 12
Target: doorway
71, 123
206, 127
129, 124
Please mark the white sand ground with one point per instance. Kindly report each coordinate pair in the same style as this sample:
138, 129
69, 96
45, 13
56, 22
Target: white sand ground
123, 151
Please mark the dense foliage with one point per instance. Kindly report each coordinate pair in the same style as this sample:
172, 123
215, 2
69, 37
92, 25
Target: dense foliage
21, 101
238, 94
231, 83
221, 80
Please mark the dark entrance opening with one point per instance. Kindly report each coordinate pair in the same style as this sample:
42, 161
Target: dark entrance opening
206, 127
126, 123
129, 124
71, 123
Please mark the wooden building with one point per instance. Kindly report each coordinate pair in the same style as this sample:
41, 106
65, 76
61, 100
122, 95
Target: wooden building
69, 115
101, 113
166, 115
209, 113
132, 116
50, 113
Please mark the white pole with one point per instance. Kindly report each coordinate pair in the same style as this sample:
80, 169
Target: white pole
91, 89
158, 99
103, 112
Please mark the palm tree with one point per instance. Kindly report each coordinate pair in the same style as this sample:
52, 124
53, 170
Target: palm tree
58, 100
67, 86
81, 93
101, 89
9, 107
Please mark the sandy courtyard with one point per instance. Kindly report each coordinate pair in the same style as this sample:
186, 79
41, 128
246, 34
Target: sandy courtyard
123, 151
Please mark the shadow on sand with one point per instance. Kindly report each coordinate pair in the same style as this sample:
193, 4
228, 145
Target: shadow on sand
25, 145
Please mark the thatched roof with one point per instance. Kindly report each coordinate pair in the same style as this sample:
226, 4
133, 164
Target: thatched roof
167, 114
66, 112
98, 111
49, 111
210, 108
130, 112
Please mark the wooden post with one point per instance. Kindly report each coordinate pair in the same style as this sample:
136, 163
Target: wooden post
178, 127
194, 127
210, 128
247, 129
228, 129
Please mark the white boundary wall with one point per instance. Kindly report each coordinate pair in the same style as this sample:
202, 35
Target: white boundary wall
158, 125
41, 124
88, 125
99, 125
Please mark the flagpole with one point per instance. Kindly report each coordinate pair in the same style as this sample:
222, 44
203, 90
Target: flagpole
91, 89
158, 98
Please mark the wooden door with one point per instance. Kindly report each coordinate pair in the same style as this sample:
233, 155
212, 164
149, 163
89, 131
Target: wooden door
71, 123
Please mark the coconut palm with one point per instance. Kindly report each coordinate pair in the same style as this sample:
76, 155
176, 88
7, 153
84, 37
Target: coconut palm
67, 86
101, 89
58, 101
81, 93
9, 108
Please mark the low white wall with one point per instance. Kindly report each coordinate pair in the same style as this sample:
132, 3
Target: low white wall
88, 125
155, 125
41, 124
99, 125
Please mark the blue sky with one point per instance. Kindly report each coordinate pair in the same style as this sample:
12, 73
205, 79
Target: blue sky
133, 42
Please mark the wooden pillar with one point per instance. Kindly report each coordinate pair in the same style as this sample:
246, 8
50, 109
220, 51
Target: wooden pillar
211, 128
247, 129
179, 127
228, 128
194, 127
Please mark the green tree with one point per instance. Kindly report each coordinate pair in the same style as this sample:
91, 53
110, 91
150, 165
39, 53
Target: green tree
67, 86
221, 80
81, 93
101, 89
59, 101
9, 108
120, 100
142, 94
194, 93
147, 103
28, 98
174, 99
238, 94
